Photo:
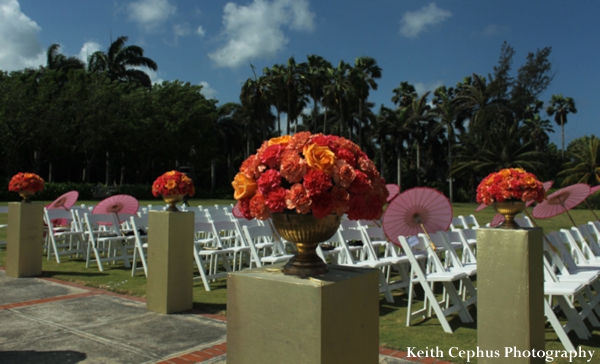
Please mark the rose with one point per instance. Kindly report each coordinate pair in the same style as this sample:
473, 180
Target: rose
243, 186
319, 157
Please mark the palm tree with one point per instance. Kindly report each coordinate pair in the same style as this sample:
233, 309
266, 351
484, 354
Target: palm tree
338, 93
404, 94
313, 75
119, 60
365, 71
59, 62
395, 124
450, 119
276, 90
584, 166
420, 119
293, 90
560, 107
256, 109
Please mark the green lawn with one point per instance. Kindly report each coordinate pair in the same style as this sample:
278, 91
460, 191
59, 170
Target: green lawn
393, 331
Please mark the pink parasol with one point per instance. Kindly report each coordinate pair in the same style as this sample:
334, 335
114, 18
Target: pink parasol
118, 204
547, 185
65, 201
417, 210
562, 201
393, 189
236, 211
497, 220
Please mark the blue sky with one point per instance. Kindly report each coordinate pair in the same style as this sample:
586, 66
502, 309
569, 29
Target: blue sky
428, 44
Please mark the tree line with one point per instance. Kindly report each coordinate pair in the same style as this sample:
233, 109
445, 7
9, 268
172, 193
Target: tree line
105, 122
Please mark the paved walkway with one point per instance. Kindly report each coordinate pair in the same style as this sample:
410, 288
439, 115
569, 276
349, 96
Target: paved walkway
49, 321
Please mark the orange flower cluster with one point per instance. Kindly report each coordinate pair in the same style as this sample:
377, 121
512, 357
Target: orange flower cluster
26, 182
310, 173
173, 183
510, 184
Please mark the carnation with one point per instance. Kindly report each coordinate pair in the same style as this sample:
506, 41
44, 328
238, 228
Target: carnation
510, 184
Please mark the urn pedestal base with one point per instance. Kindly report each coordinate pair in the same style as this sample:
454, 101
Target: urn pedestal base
329, 318
24, 239
170, 262
510, 293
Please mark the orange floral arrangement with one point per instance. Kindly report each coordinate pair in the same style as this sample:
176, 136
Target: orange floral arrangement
173, 183
24, 181
310, 173
510, 184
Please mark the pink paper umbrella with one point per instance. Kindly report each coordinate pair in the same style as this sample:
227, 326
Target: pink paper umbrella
547, 186
562, 201
237, 211
118, 204
64, 201
420, 209
393, 189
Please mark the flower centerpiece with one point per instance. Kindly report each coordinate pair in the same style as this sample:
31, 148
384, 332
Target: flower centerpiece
508, 190
26, 185
173, 186
309, 180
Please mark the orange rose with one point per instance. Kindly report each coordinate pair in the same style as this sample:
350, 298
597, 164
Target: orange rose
243, 186
280, 140
320, 158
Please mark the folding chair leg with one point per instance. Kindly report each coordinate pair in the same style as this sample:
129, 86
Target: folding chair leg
558, 328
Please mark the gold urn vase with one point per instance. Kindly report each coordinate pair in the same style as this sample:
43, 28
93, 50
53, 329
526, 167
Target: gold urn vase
172, 201
26, 195
509, 209
306, 232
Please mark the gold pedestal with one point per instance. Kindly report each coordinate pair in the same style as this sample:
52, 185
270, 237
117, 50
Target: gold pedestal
277, 318
24, 239
510, 293
170, 256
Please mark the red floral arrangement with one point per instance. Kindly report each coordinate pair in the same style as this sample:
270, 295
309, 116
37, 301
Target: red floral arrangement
310, 173
24, 181
510, 184
173, 183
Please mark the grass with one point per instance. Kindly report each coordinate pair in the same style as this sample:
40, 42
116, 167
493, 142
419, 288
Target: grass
393, 331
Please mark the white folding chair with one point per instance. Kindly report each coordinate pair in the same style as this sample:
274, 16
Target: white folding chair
427, 280
458, 223
207, 246
469, 222
261, 238
139, 229
62, 235
105, 240
231, 237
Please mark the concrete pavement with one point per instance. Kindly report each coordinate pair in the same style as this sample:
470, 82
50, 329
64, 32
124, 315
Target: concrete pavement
43, 320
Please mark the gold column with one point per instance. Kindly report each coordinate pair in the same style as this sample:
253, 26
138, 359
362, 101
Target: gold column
170, 256
510, 293
275, 318
24, 239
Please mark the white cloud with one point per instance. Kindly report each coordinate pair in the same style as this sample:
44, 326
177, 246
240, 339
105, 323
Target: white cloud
200, 31
181, 30
494, 29
256, 30
208, 91
19, 44
87, 50
422, 87
415, 22
151, 14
